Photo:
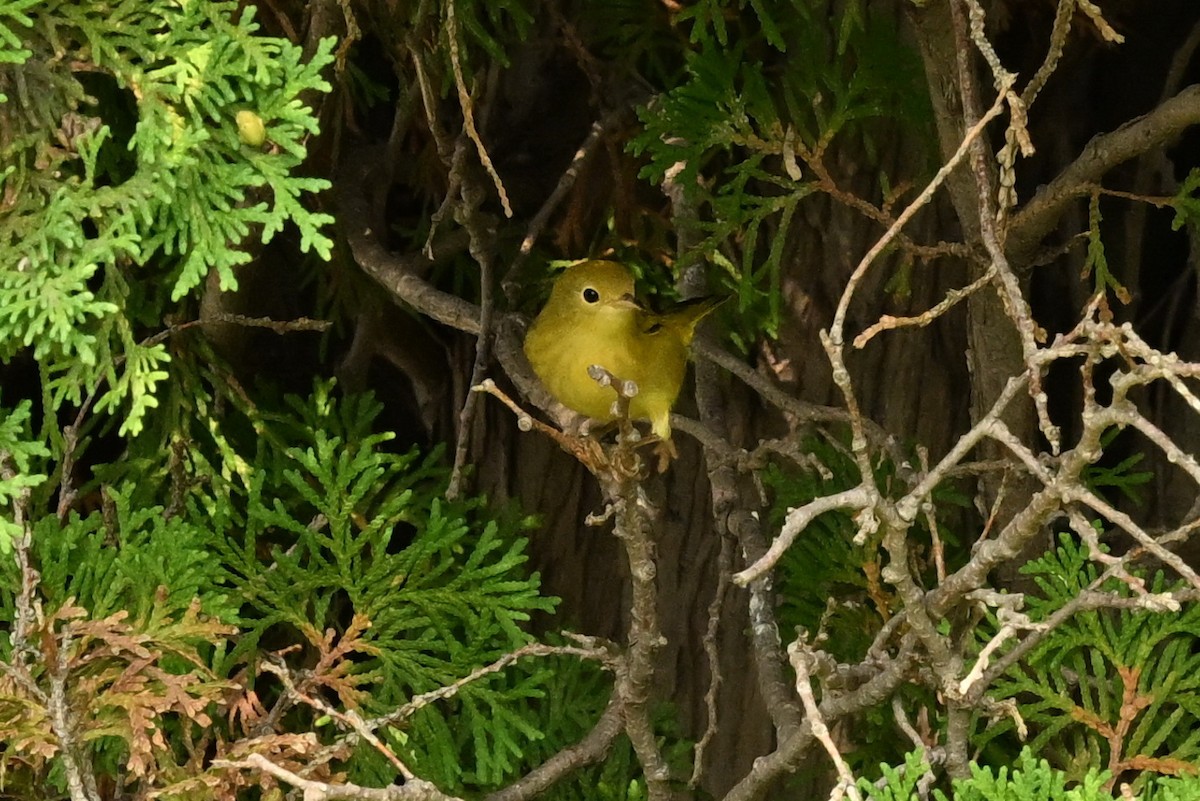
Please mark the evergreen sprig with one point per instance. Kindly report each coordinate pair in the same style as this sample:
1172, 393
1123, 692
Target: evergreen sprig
139, 177
322, 537
1029, 779
332, 525
1096, 263
132, 558
726, 125
1186, 203
20, 457
12, 48
1111, 686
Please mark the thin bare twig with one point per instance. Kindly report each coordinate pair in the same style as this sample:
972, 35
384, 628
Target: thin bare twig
734, 513
567, 180
349, 718
604, 655
591, 749
885, 676
412, 790
976, 130
713, 655
801, 661
993, 235
81, 782
277, 326
953, 298
935, 536
856, 498
634, 528
28, 610
398, 274
466, 418
468, 109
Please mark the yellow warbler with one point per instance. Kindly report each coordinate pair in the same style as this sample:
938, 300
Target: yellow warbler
592, 318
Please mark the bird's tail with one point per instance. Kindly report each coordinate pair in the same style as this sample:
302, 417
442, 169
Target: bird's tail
687, 315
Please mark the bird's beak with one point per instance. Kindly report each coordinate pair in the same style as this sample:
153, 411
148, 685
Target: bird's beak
628, 301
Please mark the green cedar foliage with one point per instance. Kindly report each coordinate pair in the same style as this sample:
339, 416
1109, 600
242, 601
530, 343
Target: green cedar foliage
766, 86
1186, 204
19, 453
1029, 779
1096, 263
352, 529
1112, 687
334, 543
126, 180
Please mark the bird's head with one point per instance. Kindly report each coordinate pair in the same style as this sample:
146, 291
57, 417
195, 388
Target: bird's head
595, 288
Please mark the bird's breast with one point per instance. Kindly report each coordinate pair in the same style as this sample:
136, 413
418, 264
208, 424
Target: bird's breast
561, 353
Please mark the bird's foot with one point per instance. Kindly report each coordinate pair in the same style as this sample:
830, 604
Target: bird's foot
664, 451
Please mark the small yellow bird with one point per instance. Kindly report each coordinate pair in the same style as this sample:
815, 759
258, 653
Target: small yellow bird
592, 318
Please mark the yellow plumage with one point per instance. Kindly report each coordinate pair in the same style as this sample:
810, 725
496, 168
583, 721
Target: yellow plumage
592, 318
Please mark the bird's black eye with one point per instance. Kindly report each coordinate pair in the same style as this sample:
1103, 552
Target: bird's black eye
591, 295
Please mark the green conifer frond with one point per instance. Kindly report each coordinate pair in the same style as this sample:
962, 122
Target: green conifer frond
726, 125
331, 524
78, 225
1186, 203
12, 49
20, 456
132, 558
1110, 686
1028, 779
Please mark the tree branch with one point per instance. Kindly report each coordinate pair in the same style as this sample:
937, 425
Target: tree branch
1041, 214
397, 274
414, 790
591, 749
886, 676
